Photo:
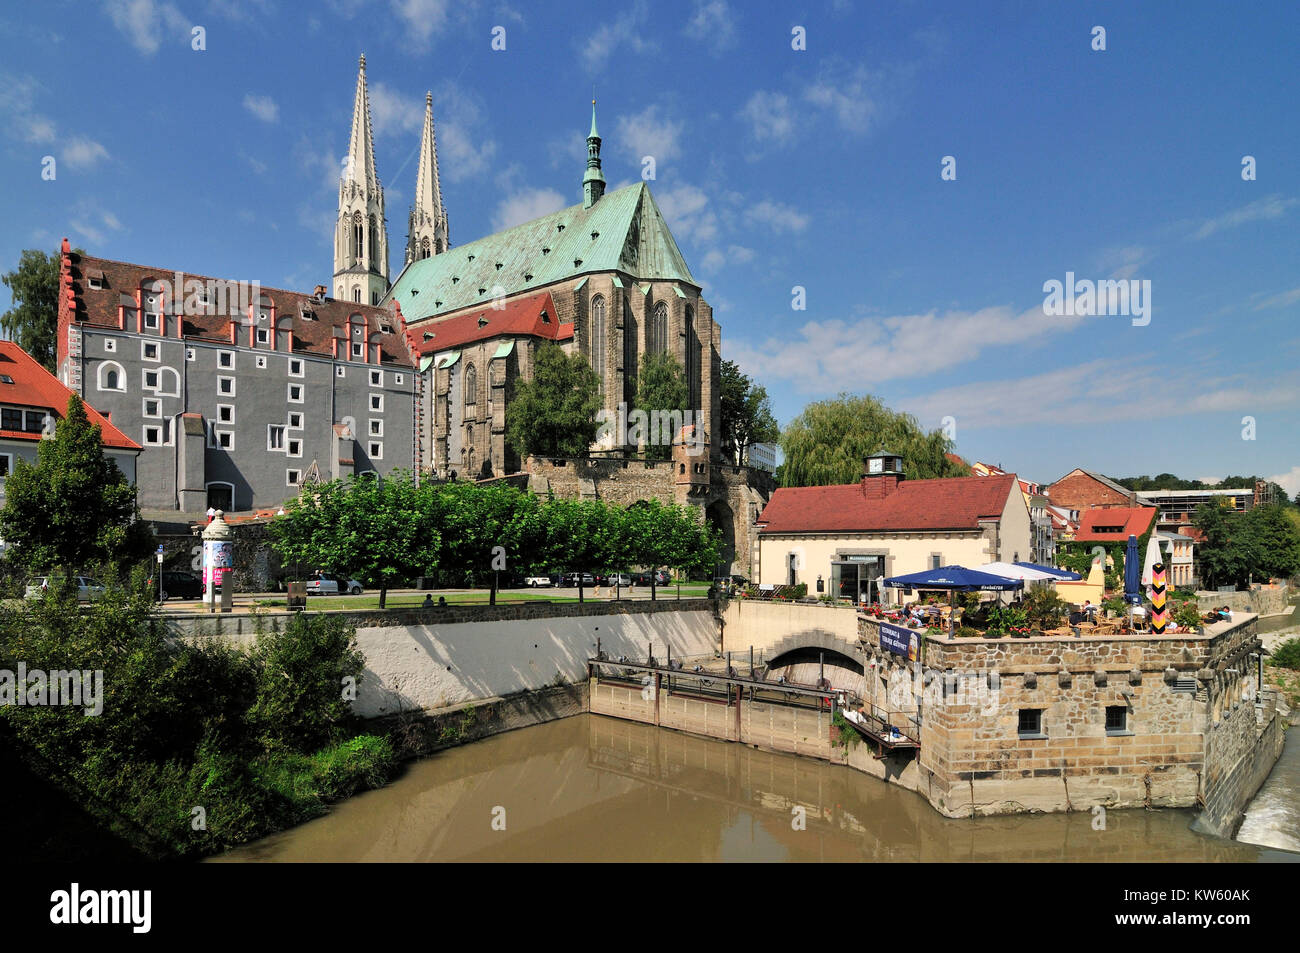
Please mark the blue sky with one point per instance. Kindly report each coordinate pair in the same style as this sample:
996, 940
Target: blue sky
776, 168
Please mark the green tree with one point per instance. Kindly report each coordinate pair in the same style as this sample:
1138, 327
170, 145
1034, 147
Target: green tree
580, 535
827, 443
554, 414
1274, 540
381, 532
74, 508
1224, 555
33, 321
746, 414
473, 520
661, 386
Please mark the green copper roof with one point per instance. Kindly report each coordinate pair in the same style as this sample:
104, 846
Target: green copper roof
504, 349
593, 134
623, 232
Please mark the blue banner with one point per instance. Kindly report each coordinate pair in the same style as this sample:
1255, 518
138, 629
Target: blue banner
900, 641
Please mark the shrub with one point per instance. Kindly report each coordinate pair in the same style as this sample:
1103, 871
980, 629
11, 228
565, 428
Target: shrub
1287, 655
1044, 608
1187, 614
966, 632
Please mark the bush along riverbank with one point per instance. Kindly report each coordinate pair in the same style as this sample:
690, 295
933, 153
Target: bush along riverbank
186, 750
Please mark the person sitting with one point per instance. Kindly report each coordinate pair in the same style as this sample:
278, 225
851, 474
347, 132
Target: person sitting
1089, 610
428, 601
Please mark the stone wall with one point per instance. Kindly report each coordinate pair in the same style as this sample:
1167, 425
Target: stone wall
1190, 733
765, 624
1240, 752
432, 659
1261, 599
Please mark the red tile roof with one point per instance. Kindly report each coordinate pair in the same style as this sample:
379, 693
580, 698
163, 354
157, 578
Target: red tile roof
531, 315
1131, 520
329, 317
35, 387
950, 503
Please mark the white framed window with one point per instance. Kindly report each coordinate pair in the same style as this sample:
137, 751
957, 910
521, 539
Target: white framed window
340, 371
226, 439
292, 477
358, 349
96, 284
261, 362
151, 320
397, 379
152, 407
293, 447
225, 359
111, 377
150, 379
149, 351
6, 464
295, 367
275, 437
296, 392
153, 435
295, 420
110, 345
263, 336
376, 426
225, 413
226, 385
377, 402
376, 450
376, 378
189, 354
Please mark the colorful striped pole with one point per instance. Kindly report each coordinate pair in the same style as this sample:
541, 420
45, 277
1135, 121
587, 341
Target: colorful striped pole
1159, 608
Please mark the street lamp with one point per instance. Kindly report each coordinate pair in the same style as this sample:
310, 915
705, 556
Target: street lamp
159, 556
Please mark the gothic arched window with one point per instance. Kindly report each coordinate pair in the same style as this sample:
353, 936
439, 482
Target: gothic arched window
598, 337
692, 357
424, 249
471, 387
358, 236
658, 336
374, 243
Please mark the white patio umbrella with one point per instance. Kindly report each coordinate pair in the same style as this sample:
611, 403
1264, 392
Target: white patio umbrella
1153, 557
1012, 571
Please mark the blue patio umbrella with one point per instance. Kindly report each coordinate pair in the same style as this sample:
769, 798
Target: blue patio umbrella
1132, 573
1064, 575
954, 579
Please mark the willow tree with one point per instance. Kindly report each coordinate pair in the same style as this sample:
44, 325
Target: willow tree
827, 443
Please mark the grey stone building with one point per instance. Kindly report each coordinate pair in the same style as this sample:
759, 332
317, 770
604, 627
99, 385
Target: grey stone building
238, 394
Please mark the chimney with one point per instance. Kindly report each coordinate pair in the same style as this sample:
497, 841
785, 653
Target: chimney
320, 292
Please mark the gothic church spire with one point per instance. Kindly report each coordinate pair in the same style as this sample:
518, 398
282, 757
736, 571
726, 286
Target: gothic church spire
428, 231
361, 233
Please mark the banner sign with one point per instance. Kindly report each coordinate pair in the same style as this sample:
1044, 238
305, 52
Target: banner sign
900, 641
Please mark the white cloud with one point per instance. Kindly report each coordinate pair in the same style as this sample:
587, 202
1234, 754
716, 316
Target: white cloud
1280, 300
627, 30
770, 117
649, 133
83, 153
717, 258
776, 216
687, 212
394, 113
525, 206
94, 223
421, 19
714, 22
146, 23
35, 128
1273, 206
1289, 481
850, 95
263, 107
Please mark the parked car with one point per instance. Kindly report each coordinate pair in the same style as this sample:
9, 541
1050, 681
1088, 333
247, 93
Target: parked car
534, 582
570, 579
618, 579
88, 589
330, 584
178, 585
664, 577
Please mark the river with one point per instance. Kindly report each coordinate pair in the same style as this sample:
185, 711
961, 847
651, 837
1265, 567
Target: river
595, 788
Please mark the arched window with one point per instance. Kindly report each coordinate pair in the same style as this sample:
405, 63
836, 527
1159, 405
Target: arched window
692, 358
374, 241
425, 251
471, 386
111, 376
658, 336
598, 337
358, 236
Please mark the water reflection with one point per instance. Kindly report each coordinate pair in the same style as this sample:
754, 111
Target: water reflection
594, 788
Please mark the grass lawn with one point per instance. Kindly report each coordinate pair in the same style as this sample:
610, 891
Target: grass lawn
481, 597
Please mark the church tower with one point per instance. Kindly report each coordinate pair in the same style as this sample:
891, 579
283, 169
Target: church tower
593, 183
427, 231
360, 236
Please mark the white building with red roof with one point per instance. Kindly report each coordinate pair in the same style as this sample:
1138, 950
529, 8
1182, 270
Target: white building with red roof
32, 402
851, 535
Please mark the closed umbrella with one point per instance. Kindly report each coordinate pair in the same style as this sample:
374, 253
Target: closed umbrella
1132, 573
1152, 557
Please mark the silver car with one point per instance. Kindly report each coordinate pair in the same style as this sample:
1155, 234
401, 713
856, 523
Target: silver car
329, 584
88, 589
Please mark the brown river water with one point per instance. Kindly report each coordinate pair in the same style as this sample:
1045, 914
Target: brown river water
594, 788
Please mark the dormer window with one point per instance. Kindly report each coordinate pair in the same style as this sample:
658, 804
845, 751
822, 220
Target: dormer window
454, 279
577, 262
96, 284
559, 228
595, 235
498, 266
471, 257
482, 321
546, 318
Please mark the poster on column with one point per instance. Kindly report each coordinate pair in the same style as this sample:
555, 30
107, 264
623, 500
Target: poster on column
218, 559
